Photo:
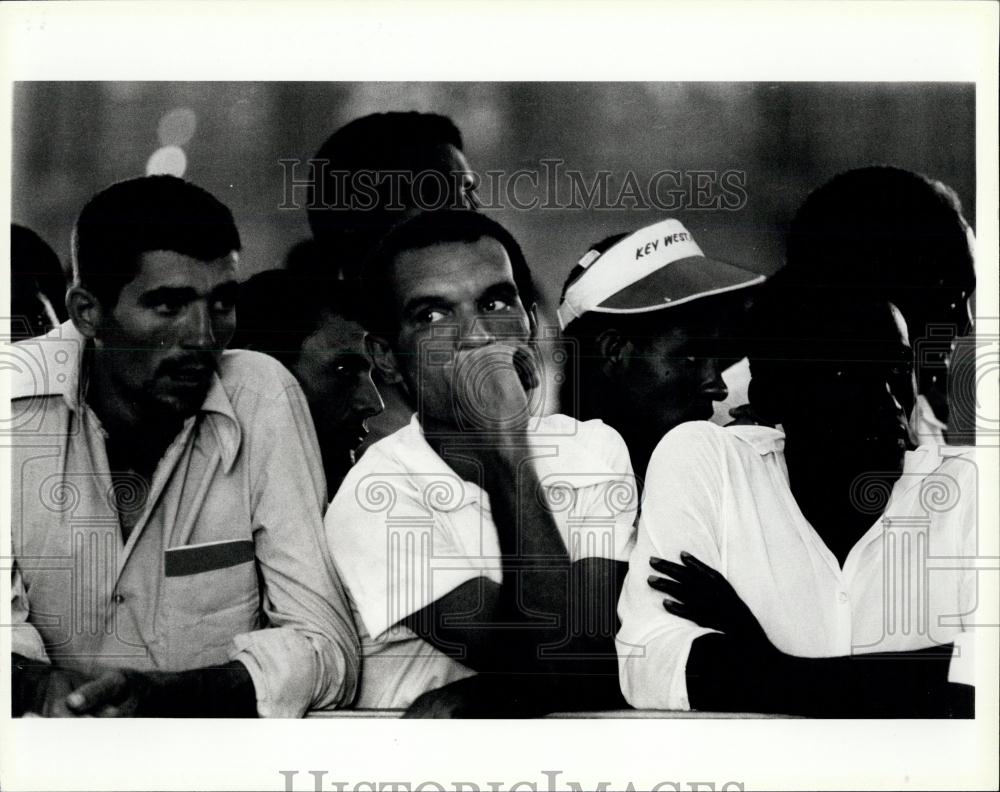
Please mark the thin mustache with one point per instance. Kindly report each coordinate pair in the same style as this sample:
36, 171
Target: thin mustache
175, 365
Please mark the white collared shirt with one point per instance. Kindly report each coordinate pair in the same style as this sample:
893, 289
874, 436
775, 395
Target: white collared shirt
405, 530
227, 538
723, 496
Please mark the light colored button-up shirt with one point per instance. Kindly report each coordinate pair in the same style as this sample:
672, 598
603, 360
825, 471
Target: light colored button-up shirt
405, 531
226, 559
723, 496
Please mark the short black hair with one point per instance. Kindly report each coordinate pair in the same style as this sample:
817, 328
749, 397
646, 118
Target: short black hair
35, 270
422, 230
891, 230
278, 310
378, 142
148, 213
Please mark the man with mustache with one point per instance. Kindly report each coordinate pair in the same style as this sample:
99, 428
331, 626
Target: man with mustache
167, 494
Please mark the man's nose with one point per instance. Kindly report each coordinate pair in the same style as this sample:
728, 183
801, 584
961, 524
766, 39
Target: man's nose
367, 400
714, 386
477, 331
199, 330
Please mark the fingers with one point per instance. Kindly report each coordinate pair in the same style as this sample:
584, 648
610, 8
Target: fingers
106, 691
693, 563
527, 368
667, 586
670, 569
679, 609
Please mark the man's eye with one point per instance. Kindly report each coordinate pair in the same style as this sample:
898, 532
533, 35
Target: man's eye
223, 305
491, 306
430, 316
168, 307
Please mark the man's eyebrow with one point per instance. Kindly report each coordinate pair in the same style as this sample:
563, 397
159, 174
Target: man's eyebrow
350, 357
230, 286
423, 301
173, 293
501, 287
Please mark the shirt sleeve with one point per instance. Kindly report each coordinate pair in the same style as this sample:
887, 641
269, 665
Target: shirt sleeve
605, 525
397, 540
680, 512
25, 639
307, 657
962, 668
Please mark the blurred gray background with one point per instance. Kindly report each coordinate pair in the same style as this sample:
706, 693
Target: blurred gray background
72, 139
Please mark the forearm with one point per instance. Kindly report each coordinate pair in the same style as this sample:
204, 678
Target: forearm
28, 680
225, 691
534, 557
722, 676
526, 529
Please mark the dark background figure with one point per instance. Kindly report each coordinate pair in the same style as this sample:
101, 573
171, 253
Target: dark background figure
316, 336
371, 171
365, 178
901, 236
37, 285
834, 369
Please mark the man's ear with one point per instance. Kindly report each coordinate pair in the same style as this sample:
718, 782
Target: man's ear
85, 310
613, 347
383, 358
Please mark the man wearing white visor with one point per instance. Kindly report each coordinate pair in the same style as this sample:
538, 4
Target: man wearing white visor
651, 321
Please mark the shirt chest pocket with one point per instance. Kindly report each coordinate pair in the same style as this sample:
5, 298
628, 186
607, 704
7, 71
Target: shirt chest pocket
210, 594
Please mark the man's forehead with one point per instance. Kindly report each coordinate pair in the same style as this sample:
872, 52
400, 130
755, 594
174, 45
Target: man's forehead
170, 269
448, 269
336, 335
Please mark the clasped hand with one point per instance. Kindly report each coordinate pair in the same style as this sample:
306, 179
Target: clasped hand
63, 693
702, 595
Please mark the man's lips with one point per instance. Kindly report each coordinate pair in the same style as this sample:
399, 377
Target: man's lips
356, 433
190, 375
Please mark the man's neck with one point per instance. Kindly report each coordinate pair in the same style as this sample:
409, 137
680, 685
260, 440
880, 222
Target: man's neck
136, 441
835, 494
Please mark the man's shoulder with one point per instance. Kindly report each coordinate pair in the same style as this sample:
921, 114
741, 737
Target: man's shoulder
704, 440
247, 368
954, 463
593, 437
384, 463
44, 365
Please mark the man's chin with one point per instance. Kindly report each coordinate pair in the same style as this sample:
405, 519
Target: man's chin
180, 405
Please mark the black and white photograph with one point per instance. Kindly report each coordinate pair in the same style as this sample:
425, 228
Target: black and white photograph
594, 410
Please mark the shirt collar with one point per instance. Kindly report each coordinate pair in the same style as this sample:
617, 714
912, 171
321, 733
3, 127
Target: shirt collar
764, 439
53, 365
562, 462
921, 462
917, 464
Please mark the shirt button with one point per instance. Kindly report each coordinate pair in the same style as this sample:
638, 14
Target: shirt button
118, 599
842, 597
